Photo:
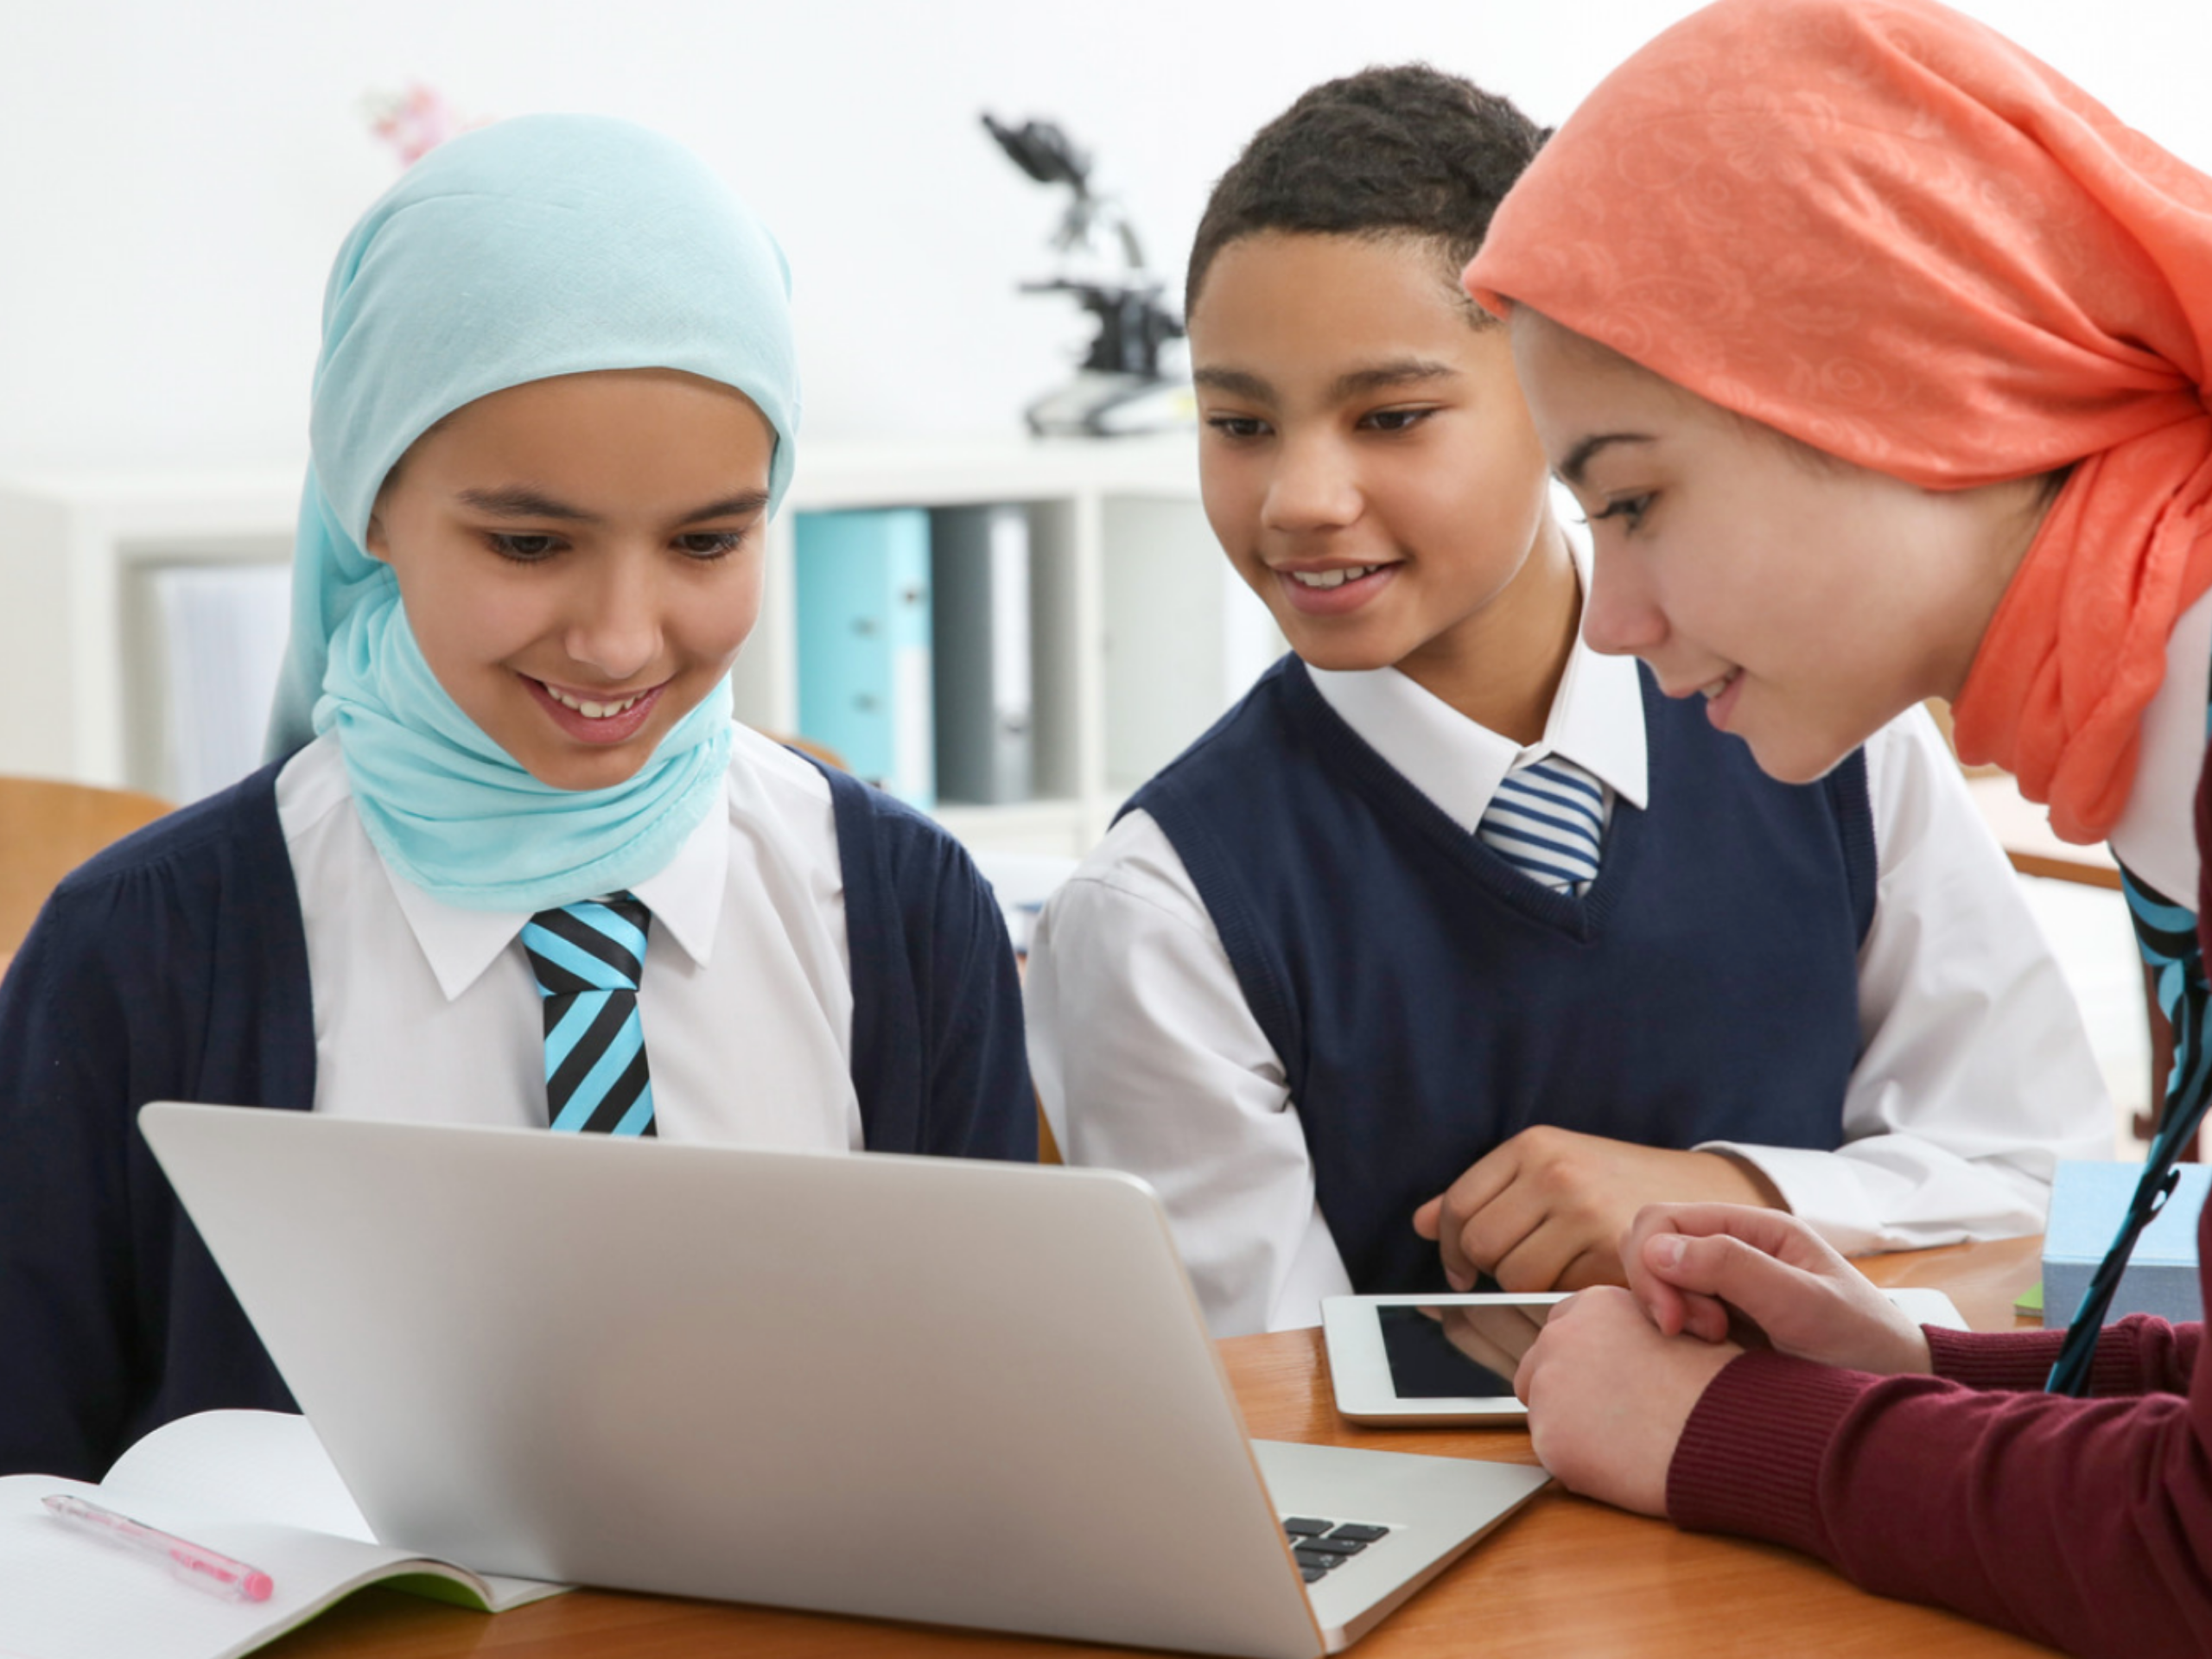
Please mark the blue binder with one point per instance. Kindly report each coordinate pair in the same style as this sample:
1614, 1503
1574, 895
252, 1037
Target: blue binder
863, 603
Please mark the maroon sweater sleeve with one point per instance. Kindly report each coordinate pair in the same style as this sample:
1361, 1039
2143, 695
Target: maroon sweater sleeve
2140, 1355
2084, 1523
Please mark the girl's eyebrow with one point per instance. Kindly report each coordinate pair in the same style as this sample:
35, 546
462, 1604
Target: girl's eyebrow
730, 507
522, 502
1578, 458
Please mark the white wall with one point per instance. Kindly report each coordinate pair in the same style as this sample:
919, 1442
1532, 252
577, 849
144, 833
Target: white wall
174, 179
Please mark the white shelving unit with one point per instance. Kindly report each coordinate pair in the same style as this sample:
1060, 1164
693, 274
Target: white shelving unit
1141, 632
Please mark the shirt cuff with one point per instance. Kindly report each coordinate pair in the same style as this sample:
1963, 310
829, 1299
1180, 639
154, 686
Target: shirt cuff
1821, 1189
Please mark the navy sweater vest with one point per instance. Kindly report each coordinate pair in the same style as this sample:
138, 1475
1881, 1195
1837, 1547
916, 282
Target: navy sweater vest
1428, 1000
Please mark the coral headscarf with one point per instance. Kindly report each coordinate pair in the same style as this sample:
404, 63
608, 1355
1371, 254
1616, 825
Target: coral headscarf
1884, 229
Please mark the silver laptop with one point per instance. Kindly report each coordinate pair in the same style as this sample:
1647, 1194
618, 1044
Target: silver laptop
952, 1391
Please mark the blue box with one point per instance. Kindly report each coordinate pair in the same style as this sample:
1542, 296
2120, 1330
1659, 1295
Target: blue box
2087, 1203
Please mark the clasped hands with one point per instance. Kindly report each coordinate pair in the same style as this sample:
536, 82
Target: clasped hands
1610, 1381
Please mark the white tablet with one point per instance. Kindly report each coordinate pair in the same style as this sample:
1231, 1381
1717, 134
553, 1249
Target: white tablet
1430, 1359
1410, 1360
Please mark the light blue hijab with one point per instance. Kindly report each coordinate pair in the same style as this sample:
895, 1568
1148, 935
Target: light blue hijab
545, 246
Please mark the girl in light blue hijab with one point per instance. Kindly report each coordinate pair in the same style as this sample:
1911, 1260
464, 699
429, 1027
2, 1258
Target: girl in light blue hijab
635, 255
512, 862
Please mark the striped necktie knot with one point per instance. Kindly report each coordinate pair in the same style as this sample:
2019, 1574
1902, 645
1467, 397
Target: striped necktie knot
596, 945
1548, 820
589, 958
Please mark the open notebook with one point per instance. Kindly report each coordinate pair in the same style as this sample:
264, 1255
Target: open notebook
254, 1486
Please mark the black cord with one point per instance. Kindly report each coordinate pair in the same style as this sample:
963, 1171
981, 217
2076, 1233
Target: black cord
2167, 935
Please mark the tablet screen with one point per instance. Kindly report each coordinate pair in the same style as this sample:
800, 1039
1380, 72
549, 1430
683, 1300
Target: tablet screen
1469, 1352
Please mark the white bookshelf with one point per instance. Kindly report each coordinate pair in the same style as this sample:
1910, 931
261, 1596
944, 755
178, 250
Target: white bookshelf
1141, 634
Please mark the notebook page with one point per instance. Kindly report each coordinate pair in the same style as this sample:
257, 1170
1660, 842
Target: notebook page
263, 1469
69, 1593
265, 1466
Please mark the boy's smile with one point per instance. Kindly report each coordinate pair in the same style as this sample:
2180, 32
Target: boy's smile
1370, 468
580, 559
1333, 589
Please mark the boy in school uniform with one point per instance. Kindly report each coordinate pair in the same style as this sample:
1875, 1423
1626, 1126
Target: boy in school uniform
1454, 943
512, 862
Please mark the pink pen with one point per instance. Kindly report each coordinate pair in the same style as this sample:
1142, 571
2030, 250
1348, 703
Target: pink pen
202, 1567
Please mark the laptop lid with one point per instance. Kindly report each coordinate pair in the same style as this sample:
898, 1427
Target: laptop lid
938, 1390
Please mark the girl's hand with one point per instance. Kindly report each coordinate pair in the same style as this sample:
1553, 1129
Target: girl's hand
1608, 1396
1693, 1265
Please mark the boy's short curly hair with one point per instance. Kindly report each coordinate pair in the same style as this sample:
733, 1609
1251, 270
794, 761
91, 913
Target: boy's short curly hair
1405, 150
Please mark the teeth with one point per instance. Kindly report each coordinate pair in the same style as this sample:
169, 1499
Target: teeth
1332, 578
1719, 685
588, 709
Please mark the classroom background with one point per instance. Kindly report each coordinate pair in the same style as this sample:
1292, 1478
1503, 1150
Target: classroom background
173, 181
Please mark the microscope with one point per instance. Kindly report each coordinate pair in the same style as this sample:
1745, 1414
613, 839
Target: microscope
1119, 390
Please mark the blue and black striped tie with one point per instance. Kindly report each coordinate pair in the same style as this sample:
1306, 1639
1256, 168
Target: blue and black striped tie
1547, 820
588, 958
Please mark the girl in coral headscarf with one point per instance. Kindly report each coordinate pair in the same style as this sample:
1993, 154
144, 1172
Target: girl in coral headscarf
1876, 353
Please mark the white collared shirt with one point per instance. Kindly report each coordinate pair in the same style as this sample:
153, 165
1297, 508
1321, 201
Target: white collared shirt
428, 1012
2156, 836
1459, 765
1974, 1074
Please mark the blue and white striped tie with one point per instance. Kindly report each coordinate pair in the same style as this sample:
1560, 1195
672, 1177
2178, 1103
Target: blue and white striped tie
588, 958
1546, 821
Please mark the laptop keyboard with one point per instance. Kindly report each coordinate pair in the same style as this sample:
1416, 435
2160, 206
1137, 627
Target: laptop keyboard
1318, 1545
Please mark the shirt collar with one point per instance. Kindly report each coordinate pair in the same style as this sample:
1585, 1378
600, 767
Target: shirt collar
1596, 720
685, 897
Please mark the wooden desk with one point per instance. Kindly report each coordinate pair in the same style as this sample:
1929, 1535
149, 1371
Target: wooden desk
1564, 1578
